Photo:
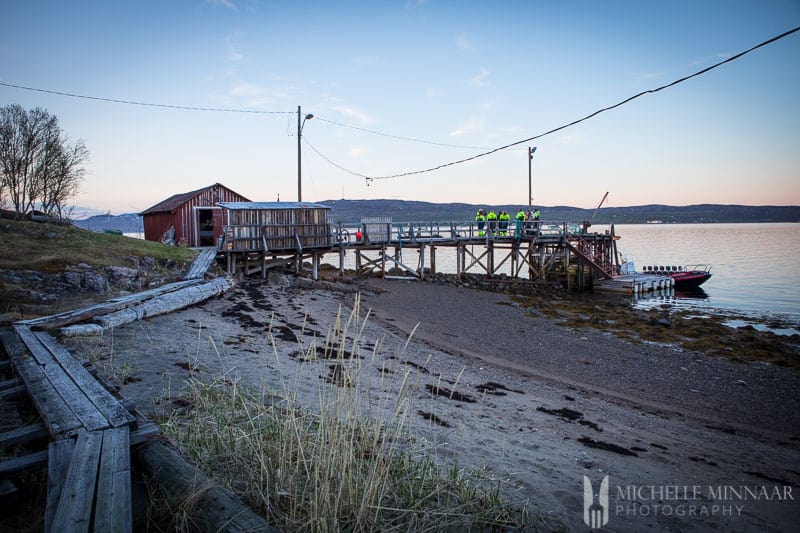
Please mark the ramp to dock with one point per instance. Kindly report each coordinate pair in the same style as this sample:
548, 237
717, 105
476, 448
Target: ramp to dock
201, 264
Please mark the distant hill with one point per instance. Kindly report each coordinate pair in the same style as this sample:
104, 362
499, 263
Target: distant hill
352, 211
348, 211
127, 223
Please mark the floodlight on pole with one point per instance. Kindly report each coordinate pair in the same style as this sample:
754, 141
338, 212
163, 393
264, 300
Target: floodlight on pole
299, 152
531, 150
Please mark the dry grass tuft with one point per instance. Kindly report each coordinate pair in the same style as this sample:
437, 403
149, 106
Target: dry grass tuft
331, 467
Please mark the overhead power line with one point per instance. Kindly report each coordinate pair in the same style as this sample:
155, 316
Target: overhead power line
305, 140
587, 117
146, 104
402, 138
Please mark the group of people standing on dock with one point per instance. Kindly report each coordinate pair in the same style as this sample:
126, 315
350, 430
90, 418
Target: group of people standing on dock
498, 224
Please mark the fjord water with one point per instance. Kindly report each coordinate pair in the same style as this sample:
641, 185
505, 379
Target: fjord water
755, 267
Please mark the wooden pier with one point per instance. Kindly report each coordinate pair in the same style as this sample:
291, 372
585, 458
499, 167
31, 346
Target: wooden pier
536, 251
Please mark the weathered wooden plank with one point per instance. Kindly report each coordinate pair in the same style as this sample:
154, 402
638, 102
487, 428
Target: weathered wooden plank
42, 355
59, 456
57, 416
154, 307
16, 464
62, 376
75, 399
13, 392
72, 393
201, 264
74, 512
111, 408
109, 306
23, 434
113, 507
37, 459
215, 508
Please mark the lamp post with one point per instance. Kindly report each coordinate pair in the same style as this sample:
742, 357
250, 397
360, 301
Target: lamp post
530, 176
299, 158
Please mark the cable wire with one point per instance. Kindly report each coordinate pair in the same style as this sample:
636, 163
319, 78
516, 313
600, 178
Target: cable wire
305, 140
401, 138
147, 104
591, 115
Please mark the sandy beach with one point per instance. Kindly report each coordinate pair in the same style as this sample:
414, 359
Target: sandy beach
680, 435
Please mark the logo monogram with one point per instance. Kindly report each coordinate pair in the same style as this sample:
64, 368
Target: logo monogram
595, 513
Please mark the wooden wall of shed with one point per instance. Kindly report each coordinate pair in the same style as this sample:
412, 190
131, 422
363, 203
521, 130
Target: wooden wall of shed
182, 218
278, 227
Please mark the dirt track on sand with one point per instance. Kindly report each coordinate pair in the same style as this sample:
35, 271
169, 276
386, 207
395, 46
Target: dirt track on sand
537, 403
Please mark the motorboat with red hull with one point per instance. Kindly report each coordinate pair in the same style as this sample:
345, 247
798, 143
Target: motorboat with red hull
685, 277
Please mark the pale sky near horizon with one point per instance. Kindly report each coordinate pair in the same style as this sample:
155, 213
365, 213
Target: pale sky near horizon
465, 77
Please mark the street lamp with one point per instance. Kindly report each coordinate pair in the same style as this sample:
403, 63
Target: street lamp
530, 176
299, 159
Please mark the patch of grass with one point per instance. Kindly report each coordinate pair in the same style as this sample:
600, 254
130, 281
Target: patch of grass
330, 466
48, 247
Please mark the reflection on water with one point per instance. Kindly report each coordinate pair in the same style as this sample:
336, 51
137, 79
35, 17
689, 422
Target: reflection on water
686, 294
754, 266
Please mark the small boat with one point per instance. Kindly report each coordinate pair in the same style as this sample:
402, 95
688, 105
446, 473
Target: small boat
685, 277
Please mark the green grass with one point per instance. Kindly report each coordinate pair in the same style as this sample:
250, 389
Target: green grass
48, 247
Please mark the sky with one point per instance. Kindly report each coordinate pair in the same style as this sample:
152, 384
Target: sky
398, 87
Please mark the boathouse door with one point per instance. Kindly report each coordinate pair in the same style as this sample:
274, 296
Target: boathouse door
209, 226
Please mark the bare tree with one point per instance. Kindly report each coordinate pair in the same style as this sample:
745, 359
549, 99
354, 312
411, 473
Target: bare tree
39, 168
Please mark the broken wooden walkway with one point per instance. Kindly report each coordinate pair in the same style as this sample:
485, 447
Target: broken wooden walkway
89, 455
90, 431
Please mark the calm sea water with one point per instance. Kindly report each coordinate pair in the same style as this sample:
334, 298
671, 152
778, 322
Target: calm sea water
755, 267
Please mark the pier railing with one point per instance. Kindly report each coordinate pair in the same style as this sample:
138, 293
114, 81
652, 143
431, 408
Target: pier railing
426, 232
278, 238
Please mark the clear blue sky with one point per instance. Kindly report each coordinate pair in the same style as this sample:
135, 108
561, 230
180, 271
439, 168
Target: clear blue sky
473, 74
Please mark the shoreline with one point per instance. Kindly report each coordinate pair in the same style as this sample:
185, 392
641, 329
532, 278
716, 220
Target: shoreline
546, 405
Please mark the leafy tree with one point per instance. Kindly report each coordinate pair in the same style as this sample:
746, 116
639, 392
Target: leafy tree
39, 167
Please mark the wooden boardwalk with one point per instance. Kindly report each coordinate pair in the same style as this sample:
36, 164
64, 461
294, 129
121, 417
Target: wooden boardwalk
88, 458
537, 251
90, 431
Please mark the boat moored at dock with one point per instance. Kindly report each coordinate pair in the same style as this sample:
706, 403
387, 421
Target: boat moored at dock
685, 277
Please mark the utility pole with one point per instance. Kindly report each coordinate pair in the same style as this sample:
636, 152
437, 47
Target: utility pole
299, 157
530, 176
299, 160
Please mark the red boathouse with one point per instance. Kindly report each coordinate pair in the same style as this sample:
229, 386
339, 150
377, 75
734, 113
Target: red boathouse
190, 219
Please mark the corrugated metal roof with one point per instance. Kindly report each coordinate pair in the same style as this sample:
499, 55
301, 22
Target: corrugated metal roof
175, 201
272, 205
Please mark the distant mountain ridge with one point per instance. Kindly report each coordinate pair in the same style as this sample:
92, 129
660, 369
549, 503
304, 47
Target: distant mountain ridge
348, 211
352, 211
127, 223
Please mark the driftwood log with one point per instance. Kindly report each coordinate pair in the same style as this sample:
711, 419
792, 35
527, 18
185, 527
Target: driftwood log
210, 506
159, 305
